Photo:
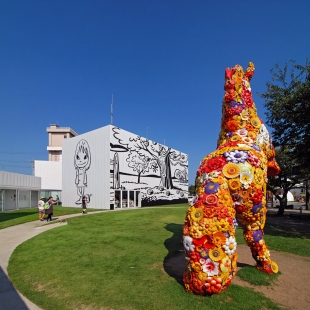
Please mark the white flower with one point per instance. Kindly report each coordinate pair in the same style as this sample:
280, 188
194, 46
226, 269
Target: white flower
188, 244
230, 245
263, 136
246, 178
210, 268
242, 132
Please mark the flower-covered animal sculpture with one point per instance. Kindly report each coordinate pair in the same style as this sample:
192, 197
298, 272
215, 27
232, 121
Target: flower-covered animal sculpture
230, 184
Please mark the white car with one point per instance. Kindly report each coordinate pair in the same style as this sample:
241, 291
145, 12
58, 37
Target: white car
190, 198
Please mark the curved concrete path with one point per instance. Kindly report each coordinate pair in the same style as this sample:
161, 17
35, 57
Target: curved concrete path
10, 238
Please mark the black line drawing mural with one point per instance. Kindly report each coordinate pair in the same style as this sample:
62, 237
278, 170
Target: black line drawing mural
157, 170
82, 162
116, 180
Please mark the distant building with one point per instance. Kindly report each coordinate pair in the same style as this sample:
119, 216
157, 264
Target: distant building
51, 171
56, 135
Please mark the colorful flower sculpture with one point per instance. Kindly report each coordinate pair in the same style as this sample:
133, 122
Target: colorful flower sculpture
230, 184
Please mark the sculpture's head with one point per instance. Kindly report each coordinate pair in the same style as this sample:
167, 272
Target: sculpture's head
240, 125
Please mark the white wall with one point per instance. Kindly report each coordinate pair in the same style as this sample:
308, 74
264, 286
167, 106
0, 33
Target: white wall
19, 181
50, 173
97, 186
163, 170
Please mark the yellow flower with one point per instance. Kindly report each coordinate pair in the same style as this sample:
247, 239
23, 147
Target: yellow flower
244, 115
259, 178
222, 225
195, 232
224, 198
202, 276
200, 190
235, 138
234, 184
252, 135
196, 266
208, 226
225, 265
234, 261
242, 123
196, 214
216, 254
274, 267
231, 170
224, 277
255, 122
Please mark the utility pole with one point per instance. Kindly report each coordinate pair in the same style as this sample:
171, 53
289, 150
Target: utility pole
112, 111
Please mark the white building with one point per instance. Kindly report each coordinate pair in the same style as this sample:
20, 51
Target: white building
18, 191
115, 168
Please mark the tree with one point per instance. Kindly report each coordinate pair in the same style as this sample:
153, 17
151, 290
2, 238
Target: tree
287, 101
192, 190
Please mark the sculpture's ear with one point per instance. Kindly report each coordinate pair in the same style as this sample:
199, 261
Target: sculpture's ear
250, 70
228, 73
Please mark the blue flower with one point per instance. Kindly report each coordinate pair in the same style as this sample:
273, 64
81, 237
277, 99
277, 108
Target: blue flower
257, 235
256, 147
257, 208
211, 187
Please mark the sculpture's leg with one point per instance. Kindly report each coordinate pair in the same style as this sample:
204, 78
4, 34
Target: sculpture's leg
253, 220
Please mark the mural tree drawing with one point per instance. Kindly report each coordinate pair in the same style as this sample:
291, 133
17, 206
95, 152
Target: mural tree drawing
158, 155
139, 163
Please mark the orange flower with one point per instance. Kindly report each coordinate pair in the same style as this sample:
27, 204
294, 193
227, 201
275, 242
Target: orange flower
231, 125
219, 239
234, 184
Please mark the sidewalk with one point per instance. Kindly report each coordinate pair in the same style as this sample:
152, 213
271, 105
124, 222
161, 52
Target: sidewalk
10, 238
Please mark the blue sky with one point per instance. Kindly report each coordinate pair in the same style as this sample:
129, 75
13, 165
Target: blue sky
163, 61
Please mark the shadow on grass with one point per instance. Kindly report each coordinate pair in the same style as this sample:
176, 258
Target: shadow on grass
175, 262
12, 215
287, 229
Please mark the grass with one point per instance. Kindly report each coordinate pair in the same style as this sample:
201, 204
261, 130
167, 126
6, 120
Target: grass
11, 218
256, 277
115, 260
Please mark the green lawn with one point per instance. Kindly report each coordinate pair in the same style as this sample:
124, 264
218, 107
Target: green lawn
115, 260
11, 218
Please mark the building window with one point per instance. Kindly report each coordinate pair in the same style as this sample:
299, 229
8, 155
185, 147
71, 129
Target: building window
65, 136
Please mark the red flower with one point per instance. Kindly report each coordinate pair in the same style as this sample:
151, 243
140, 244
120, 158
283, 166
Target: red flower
229, 97
257, 197
230, 112
215, 164
229, 73
240, 208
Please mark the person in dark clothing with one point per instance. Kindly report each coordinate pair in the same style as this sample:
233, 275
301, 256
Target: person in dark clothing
49, 211
84, 205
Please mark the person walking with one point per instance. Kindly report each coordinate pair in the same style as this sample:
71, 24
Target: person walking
41, 209
49, 211
84, 205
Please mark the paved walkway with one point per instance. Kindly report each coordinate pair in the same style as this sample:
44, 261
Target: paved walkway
10, 238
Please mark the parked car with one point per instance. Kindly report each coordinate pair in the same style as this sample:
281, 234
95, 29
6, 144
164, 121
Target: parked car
190, 198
